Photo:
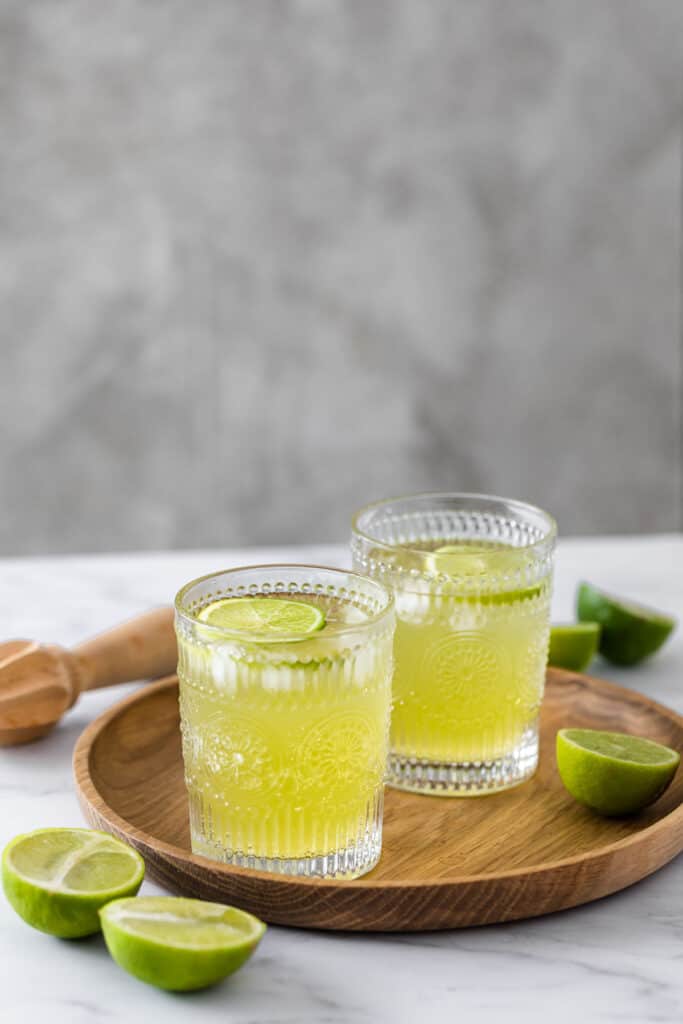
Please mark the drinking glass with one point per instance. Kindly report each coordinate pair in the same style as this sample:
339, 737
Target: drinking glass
285, 737
472, 578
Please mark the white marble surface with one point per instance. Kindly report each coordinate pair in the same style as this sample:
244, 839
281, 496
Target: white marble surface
614, 961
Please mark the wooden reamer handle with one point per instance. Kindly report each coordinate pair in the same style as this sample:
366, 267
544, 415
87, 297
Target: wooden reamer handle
144, 648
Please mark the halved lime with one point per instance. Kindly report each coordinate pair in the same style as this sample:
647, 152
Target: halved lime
264, 618
573, 646
179, 944
630, 632
58, 878
611, 772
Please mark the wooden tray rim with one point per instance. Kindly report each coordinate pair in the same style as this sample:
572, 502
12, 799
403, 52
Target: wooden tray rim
88, 794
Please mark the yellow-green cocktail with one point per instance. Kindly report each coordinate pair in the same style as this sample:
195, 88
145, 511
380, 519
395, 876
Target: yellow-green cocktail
285, 691
472, 583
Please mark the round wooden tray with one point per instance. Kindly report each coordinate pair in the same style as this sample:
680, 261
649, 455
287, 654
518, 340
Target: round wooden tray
446, 863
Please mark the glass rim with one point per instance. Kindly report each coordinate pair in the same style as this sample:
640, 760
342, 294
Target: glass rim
522, 507
244, 636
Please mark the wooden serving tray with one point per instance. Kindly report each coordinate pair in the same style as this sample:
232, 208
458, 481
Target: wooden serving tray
446, 863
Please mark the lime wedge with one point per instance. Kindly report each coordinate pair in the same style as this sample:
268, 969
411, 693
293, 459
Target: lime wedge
630, 632
58, 878
179, 944
573, 646
265, 618
611, 772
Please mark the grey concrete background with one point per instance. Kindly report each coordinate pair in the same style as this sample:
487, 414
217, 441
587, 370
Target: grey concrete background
262, 262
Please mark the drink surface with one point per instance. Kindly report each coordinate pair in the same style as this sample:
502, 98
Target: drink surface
470, 656
285, 744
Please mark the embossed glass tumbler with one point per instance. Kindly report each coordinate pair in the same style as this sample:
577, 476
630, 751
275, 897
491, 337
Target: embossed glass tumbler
472, 578
285, 736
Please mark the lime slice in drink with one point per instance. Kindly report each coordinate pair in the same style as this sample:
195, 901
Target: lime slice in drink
179, 944
58, 878
458, 559
573, 646
630, 632
470, 559
265, 618
611, 772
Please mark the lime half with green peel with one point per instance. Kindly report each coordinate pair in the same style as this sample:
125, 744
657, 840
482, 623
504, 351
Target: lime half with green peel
264, 618
57, 879
630, 632
611, 772
179, 944
573, 646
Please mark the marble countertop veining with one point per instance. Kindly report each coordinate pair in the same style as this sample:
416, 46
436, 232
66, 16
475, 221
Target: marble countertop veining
617, 960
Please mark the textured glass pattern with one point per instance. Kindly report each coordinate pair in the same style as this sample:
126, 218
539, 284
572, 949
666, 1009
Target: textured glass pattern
285, 744
472, 579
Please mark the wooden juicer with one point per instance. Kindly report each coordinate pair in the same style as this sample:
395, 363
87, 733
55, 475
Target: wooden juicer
38, 682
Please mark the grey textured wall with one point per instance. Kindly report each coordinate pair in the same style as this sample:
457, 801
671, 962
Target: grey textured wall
261, 262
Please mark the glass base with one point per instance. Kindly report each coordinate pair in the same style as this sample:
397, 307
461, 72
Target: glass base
352, 862
235, 839
466, 778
